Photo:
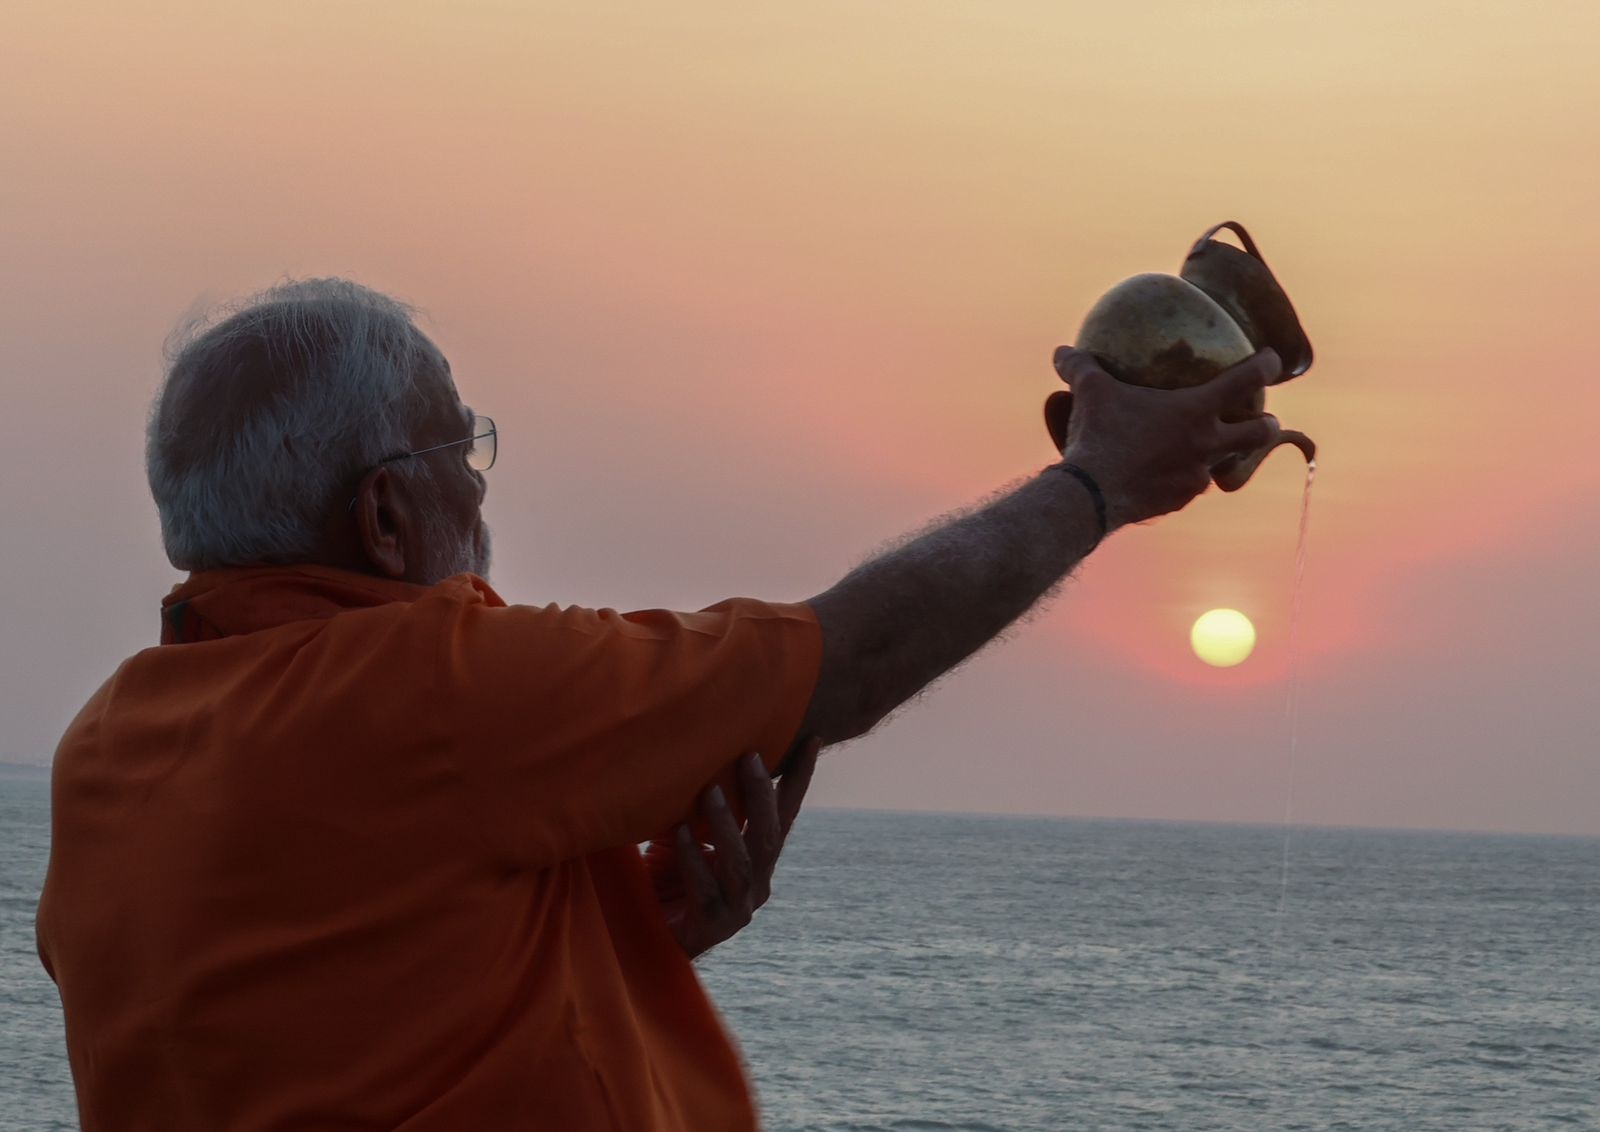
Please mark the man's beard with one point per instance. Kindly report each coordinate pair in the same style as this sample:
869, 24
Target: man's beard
448, 551
482, 547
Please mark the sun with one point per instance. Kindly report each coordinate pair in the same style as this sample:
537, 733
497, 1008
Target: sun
1223, 637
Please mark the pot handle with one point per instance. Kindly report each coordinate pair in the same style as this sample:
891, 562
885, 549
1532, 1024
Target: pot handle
1238, 230
1234, 472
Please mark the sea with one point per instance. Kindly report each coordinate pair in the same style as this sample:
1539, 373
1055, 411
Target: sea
921, 972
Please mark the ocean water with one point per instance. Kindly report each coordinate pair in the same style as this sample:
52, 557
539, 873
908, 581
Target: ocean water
921, 972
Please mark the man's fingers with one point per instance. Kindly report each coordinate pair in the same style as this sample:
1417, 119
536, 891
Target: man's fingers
762, 836
702, 896
795, 782
731, 863
1075, 366
1248, 436
1241, 382
1236, 383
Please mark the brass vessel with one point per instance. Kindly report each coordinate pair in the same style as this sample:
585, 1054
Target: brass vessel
1178, 331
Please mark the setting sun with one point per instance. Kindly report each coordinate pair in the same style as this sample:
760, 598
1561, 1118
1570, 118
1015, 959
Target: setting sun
1223, 637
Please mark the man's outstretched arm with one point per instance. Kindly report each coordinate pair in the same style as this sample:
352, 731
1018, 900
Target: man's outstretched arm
895, 624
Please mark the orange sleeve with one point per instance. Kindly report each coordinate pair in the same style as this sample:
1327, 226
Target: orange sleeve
576, 730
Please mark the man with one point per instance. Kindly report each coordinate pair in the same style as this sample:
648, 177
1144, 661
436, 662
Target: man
356, 846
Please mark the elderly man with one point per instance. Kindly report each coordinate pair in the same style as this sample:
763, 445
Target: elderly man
357, 845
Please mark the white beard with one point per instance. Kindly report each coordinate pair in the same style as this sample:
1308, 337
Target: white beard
448, 552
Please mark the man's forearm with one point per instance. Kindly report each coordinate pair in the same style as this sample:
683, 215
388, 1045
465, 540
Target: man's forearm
905, 618
897, 623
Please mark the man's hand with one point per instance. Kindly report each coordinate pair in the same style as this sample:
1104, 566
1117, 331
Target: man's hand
708, 893
1152, 450
899, 621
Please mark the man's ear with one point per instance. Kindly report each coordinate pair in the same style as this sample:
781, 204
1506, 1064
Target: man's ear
383, 521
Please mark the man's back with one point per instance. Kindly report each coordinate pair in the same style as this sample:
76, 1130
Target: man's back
283, 895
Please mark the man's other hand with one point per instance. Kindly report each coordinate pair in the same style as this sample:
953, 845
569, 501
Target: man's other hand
1152, 450
709, 892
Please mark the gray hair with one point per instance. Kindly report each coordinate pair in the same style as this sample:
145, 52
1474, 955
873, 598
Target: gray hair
269, 407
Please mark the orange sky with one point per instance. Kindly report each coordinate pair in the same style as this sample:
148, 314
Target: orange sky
752, 291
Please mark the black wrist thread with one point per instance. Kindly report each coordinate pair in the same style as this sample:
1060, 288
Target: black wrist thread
1096, 496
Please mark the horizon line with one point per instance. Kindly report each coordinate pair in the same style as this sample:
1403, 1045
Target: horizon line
42, 770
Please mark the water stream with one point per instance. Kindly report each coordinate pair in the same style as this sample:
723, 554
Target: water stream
1291, 705
1278, 1010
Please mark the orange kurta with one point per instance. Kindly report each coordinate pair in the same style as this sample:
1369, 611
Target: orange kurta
364, 855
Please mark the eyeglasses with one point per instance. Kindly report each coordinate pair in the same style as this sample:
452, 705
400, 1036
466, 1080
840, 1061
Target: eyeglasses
480, 456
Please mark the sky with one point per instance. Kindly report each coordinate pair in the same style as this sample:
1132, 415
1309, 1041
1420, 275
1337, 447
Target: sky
754, 290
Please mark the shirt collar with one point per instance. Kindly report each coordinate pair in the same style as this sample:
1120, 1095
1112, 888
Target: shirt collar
213, 604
